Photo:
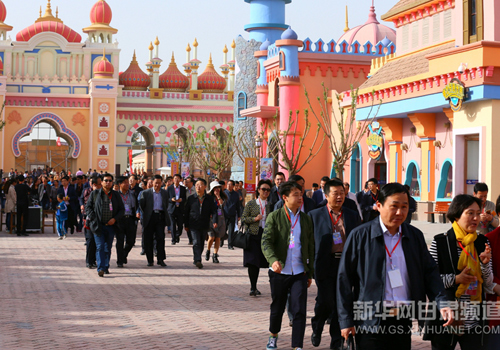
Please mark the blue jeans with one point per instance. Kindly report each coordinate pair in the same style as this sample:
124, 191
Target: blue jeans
103, 243
61, 229
7, 221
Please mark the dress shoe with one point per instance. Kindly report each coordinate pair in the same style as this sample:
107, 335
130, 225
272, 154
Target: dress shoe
199, 264
150, 264
100, 273
162, 263
125, 260
178, 240
24, 234
315, 339
207, 255
172, 243
215, 258
90, 266
143, 253
190, 243
252, 293
257, 292
230, 248
106, 272
119, 265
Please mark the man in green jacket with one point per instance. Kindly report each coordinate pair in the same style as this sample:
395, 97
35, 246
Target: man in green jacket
288, 245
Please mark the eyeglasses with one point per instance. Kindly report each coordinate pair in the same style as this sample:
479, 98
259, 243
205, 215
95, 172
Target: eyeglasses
265, 189
107, 180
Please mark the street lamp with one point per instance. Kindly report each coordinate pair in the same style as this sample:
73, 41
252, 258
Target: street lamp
258, 147
180, 149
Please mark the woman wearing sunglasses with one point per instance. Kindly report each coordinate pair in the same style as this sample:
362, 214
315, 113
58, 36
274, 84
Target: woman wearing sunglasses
254, 215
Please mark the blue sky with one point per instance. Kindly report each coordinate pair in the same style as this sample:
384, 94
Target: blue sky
176, 22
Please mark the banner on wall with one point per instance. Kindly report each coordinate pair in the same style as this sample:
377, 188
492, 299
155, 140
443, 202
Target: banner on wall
266, 169
184, 170
130, 161
375, 141
174, 166
250, 165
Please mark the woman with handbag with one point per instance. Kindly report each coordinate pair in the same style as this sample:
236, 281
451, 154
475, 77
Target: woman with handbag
10, 201
215, 234
254, 216
464, 261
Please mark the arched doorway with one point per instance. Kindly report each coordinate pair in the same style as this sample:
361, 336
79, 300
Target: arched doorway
142, 144
46, 141
221, 136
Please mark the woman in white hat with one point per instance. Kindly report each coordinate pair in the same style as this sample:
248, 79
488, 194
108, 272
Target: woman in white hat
215, 234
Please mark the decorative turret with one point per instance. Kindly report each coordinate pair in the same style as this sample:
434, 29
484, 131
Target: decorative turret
232, 68
267, 19
225, 67
4, 28
195, 65
173, 79
187, 65
210, 80
100, 31
103, 69
134, 78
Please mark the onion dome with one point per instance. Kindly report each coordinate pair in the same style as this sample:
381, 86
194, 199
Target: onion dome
101, 13
49, 23
265, 45
134, 78
3, 16
104, 69
173, 79
289, 34
371, 31
210, 80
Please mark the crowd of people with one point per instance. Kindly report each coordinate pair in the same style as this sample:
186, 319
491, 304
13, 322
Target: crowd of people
373, 270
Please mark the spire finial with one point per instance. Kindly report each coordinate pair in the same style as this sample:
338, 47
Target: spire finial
225, 50
210, 59
346, 19
172, 61
233, 44
134, 58
157, 42
195, 44
151, 47
104, 54
188, 48
57, 11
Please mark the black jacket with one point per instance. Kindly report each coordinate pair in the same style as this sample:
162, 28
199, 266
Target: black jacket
22, 193
309, 204
146, 206
73, 197
324, 260
348, 203
274, 198
366, 205
171, 195
93, 209
233, 204
362, 273
196, 219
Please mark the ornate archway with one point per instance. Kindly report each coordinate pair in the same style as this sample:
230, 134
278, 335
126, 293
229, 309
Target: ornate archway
177, 126
141, 124
60, 127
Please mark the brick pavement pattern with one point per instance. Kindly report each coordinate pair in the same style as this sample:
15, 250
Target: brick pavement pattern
50, 300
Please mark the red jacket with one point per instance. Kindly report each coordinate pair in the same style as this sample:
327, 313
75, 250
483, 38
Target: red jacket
494, 238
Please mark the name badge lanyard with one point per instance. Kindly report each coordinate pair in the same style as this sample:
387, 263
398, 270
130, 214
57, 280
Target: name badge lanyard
374, 198
392, 252
292, 241
262, 209
334, 224
466, 252
125, 201
201, 203
110, 202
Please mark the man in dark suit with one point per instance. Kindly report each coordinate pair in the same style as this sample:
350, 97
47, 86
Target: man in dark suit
176, 200
22, 194
274, 197
70, 197
387, 274
320, 195
369, 200
153, 204
127, 225
199, 208
232, 209
332, 225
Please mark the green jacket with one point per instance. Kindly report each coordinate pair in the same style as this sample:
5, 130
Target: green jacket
276, 236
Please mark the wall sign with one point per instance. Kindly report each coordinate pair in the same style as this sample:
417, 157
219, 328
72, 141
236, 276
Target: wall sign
375, 141
454, 92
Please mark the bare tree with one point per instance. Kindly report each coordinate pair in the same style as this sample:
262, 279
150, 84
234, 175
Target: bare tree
284, 140
2, 123
341, 127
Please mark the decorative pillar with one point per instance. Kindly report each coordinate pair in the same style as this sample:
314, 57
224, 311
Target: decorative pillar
194, 93
225, 68
425, 124
154, 91
393, 129
232, 68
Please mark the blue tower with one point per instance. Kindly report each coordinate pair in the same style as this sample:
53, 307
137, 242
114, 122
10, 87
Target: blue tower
267, 19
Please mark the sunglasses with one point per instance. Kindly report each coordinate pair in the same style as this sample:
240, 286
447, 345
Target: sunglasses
107, 180
266, 189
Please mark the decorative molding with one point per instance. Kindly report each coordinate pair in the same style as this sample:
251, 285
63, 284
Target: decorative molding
14, 117
177, 126
121, 128
162, 129
79, 118
150, 126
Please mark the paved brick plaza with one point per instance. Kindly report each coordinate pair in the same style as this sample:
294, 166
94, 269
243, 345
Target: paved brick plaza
51, 301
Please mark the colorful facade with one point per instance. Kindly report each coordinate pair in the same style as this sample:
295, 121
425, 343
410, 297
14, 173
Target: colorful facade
439, 100
50, 74
287, 67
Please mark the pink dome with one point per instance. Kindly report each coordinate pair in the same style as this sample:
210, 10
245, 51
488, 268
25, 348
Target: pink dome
371, 31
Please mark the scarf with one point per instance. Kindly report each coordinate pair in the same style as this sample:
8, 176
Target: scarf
468, 258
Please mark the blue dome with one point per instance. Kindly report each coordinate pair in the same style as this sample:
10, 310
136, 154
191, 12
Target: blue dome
289, 34
265, 45
386, 41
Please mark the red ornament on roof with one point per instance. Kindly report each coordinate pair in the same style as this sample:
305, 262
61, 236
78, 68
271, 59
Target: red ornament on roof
210, 80
103, 69
101, 13
173, 79
3, 12
134, 78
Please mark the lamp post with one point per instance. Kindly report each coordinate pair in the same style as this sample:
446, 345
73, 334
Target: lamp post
258, 147
180, 149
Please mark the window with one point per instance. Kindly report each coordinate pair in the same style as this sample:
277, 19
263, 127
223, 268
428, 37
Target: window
406, 37
436, 27
414, 35
425, 31
282, 60
258, 69
413, 179
277, 92
242, 104
445, 188
447, 24
473, 21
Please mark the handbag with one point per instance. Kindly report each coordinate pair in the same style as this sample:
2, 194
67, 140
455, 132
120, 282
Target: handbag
241, 238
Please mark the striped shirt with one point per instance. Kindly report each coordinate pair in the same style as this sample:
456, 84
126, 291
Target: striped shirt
471, 318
